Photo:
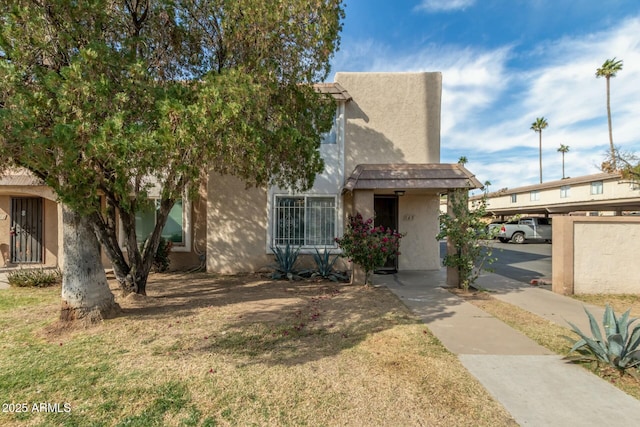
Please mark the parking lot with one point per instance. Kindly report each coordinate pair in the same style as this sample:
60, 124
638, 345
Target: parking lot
531, 260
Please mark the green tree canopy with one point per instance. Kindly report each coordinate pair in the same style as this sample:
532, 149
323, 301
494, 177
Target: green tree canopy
108, 99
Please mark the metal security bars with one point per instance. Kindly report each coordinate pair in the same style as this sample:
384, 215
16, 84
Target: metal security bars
304, 221
26, 230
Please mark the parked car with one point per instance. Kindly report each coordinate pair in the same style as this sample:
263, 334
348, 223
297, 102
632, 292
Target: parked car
532, 228
497, 223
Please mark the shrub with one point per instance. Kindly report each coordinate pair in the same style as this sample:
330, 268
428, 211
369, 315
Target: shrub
368, 246
617, 348
286, 260
465, 229
161, 259
34, 278
324, 266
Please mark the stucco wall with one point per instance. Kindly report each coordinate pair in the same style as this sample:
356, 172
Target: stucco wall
593, 255
393, 118
236, 226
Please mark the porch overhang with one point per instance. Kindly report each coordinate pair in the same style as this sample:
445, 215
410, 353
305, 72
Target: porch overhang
434, 177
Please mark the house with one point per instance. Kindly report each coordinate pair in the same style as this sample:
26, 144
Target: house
595, 195
382, 159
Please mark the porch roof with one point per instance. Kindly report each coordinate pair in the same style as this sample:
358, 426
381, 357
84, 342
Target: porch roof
20, 180
335, 90
394, 176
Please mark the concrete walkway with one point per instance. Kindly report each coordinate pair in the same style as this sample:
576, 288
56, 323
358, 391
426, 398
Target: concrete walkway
536, 386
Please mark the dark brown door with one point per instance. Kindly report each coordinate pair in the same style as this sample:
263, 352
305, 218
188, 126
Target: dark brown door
386, 214
26, 230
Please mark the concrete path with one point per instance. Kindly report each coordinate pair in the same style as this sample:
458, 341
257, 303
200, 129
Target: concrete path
4, 283
537, 387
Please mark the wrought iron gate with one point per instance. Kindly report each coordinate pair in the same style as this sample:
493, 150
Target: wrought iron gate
26, 230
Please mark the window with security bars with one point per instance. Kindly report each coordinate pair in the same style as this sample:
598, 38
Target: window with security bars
304, 221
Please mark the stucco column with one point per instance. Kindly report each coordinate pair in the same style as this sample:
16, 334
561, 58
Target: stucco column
453, 278
363, 204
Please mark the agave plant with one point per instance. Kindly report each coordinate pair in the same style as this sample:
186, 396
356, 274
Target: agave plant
286, 260
618, 348
324, 266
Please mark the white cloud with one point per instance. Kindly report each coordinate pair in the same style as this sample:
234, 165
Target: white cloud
444, 5
488, 105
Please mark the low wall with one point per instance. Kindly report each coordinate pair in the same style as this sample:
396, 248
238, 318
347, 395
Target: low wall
596, 255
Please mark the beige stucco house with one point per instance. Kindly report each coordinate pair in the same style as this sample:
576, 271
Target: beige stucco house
382, 159
596, 195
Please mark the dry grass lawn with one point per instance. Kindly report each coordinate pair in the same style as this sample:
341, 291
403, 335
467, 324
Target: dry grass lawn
201, 350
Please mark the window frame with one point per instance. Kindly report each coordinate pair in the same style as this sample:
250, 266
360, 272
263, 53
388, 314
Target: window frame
565, 191
534, 196
186, 227
305, 247
514, 198
597, 187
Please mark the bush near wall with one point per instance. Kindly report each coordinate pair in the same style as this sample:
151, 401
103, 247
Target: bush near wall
34, 278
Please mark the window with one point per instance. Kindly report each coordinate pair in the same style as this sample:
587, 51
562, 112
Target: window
564, 191
596, 187
514, 198
304, 221
534, 196
174, 229
331, 136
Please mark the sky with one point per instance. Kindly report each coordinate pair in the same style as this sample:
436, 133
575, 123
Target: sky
505, 63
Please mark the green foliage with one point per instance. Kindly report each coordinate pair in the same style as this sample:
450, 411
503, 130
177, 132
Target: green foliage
368, 246
34, 278
465, 229
105, 101
286, 261
617, 347
324, 266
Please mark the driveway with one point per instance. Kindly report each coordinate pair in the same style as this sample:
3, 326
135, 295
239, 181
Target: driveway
531, 260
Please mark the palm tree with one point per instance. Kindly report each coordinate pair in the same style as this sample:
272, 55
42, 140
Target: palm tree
563, 149
537, 126
608, 70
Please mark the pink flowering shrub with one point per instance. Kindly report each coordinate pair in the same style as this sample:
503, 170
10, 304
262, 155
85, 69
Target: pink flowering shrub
368, 246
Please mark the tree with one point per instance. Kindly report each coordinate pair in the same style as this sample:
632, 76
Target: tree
609, 69
563, 149
538, 126
464, 229
106, 101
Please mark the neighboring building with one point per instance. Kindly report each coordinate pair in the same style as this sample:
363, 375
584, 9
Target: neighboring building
598, 194
382, 159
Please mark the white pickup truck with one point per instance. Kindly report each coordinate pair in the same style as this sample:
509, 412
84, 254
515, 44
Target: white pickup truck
532, 228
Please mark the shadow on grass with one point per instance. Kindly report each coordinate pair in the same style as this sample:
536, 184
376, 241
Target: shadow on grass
264, 321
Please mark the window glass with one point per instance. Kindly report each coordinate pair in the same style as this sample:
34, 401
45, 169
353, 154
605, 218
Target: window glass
514, 198
596, 187
173, 229
564, 191
331, 136
145, 222
305, 221
535, 195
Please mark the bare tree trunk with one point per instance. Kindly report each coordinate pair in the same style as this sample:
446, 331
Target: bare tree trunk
611, 147
86, 295
540, 154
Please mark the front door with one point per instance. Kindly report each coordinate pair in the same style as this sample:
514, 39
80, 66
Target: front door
386, 214
26, 230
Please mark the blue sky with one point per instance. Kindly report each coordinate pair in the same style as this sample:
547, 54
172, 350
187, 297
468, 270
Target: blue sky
504, 63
